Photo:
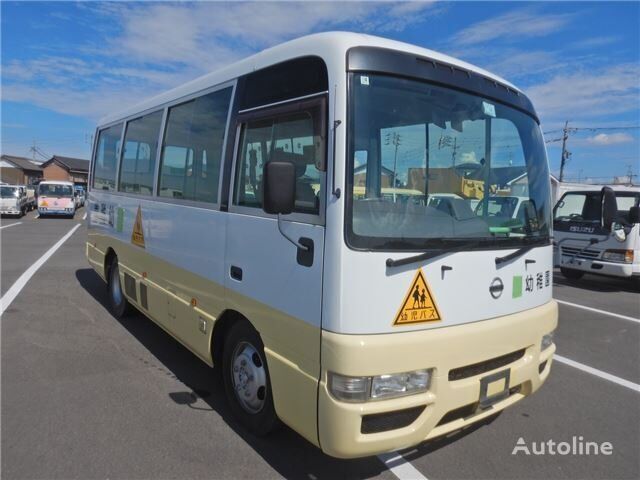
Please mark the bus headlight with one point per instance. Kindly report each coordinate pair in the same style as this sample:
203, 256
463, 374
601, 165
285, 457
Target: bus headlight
362, 389
547, 341
399, 384
624, 256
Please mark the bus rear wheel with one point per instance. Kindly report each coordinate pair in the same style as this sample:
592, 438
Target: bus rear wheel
571, 274
246, 379
118, 304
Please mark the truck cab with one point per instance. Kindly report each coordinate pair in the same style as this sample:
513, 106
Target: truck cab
12, 200
584, 243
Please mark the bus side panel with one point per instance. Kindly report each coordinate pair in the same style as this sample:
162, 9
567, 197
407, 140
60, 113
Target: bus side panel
292, 347
180, 262
282, 298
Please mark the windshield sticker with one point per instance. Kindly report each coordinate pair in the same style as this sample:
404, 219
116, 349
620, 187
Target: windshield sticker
489, 109
418, 305
364, 80
539, 281
137, 236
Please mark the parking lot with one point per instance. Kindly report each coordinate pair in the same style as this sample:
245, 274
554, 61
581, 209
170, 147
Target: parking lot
87, 396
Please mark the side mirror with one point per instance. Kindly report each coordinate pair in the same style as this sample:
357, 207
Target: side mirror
279, 187
618, 232
634, 215
609, 208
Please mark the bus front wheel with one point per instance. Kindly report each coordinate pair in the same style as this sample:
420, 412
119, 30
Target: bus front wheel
117, 302
246, 379
571, 274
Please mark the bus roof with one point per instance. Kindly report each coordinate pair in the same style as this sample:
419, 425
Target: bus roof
331, 46
56, 182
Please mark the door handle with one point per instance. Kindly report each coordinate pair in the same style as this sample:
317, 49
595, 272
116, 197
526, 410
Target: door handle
305, 257
235, 273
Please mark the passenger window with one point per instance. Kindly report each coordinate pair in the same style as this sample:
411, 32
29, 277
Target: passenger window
295, 138
106, 159
192, 149
139, 158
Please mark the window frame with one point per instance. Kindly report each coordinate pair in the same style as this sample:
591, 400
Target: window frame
123, 147
96, 141
163, 130
319, 100
164, 107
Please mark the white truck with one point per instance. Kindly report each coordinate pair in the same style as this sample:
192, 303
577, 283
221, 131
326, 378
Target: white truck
29, 197
13, 200
598, 231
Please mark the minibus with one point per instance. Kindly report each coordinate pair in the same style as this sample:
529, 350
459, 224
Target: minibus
584, 245
56, 198
274, 218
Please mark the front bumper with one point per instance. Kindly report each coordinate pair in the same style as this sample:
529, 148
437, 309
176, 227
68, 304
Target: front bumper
443, 349
600, 267
10, 211
49, 211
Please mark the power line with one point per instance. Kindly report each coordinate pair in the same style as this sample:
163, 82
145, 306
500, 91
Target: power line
593, 129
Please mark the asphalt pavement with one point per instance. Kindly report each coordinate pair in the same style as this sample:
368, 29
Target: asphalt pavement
85, 395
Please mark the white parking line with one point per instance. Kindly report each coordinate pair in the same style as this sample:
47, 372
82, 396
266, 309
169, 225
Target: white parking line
84, 217
598, 373
603, 312
400, 467
19, 284
10, 225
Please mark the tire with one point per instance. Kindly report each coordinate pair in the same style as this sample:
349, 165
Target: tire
571, 274
118, 304
244, 366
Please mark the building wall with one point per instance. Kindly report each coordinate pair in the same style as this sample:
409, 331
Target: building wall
53, 171
13, 176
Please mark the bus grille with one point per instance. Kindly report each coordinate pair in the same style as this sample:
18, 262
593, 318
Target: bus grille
486, 366
588, 253
383, 422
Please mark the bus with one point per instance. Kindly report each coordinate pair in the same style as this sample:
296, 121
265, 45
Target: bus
584, 245
229, 211
56, 198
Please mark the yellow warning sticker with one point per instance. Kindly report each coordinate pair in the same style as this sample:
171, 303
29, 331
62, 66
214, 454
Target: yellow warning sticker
418, 305
137, 236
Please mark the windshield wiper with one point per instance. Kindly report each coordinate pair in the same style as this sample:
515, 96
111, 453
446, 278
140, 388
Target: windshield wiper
531, 243
428, 255
516, 254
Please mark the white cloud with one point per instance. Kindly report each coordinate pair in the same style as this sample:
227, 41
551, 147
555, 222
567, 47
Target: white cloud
606, 139
512, 26
140, 49
587, 94
595, 42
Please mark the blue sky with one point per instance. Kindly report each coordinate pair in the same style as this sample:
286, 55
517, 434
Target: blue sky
64, 65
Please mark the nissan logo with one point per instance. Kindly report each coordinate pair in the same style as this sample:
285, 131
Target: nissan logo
496, 288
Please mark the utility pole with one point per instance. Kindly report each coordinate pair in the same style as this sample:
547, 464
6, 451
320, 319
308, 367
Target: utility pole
33, 150
396, 140
565, 153
630, 174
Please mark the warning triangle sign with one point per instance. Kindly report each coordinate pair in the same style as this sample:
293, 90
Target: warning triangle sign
418, 305
137, 236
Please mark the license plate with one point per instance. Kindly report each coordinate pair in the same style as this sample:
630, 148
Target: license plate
494, 387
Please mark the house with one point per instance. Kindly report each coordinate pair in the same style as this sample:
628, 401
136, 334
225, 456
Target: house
69, 169
19, 170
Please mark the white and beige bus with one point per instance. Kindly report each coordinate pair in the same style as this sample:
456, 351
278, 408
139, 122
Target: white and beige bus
248, 214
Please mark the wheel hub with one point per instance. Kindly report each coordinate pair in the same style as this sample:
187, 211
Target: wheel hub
249, 377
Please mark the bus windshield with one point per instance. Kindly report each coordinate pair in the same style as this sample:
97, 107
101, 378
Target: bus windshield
50, 189
8, 192
428, 164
